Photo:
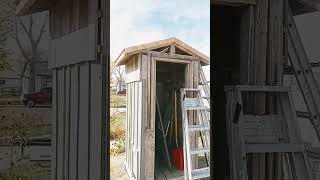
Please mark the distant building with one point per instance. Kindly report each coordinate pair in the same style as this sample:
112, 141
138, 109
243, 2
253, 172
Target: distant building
121, 86
11, 83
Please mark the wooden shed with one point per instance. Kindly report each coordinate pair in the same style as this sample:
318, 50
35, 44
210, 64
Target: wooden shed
154, 72
79, 55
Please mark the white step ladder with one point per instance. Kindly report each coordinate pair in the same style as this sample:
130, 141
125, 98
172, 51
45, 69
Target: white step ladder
204, 84
193, 110
268, 133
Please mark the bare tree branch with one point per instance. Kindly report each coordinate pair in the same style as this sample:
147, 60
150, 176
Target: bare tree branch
42, 29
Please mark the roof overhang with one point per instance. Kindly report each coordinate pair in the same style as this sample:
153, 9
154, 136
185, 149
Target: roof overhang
130, 51
26, 7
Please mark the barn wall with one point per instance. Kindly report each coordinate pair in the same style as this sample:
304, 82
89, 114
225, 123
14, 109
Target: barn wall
77, 125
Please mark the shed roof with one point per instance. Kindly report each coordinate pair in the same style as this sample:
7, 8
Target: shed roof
33, 6
128, 52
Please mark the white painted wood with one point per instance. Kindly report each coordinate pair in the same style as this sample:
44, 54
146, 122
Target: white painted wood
133, 76
73, 48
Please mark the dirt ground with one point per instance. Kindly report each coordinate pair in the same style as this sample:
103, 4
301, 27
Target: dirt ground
117, 167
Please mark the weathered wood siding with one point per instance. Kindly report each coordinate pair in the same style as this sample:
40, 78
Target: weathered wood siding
135, 119
71, 15
142, 68
77, 122
79, 107
148, 74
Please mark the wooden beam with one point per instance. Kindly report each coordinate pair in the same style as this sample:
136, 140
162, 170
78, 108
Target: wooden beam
173, 56
172, 49
73, 48
258, 88
234, 2
172, 60
33, 6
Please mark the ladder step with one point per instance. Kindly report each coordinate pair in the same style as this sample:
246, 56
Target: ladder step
197, 108
206, 97
199, 128
199, 150
191, 89
201, 173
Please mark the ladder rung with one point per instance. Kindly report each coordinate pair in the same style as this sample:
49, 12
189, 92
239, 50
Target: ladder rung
197, 108
199, 128
199, 150
203, 83
191, 89
206, 97
201, 173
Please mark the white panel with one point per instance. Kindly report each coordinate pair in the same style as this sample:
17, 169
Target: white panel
73, 48
133, 76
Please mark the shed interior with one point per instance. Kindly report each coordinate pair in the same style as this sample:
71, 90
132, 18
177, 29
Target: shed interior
170, 77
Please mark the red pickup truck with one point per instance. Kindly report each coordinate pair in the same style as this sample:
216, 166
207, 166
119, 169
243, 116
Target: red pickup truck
44, 96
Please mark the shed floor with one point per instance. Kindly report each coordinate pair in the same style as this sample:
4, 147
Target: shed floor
164, 172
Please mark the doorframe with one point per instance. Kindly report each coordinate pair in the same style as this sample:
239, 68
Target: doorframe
154, 87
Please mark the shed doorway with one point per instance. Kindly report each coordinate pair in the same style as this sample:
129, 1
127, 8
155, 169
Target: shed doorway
170, 77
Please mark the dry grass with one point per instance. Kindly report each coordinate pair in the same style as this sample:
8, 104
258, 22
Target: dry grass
117, 168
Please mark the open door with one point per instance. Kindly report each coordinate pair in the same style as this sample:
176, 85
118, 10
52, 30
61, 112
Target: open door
135, 118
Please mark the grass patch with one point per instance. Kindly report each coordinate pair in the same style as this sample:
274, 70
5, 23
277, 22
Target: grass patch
117, 101
117, 126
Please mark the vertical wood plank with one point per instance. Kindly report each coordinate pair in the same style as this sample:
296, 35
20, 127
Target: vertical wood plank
74, 122
274, 62
260, 62
67, 123
83, 122
54, 126
60, 122
95, 121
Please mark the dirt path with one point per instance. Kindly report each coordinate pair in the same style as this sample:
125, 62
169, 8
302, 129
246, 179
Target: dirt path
117, 168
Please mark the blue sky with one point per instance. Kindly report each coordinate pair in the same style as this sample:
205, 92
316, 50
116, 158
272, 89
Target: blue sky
136, 22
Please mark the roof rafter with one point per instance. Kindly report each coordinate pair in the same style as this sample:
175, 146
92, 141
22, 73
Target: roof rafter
128, 52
